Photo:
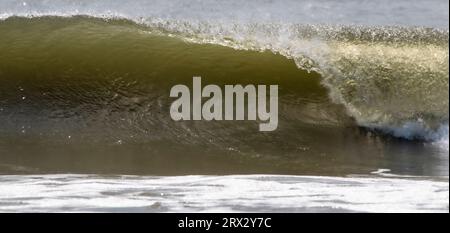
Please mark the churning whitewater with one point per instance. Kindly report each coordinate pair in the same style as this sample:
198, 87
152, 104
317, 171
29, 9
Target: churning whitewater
238, 193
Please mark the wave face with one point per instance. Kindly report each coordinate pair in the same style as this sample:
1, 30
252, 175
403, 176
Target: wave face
99, 72
390, 78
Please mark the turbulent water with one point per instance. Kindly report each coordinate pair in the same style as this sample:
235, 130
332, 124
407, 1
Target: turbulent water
249, 193
84, 88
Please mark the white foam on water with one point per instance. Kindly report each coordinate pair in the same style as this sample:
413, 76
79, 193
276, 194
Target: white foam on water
442, 141
416, 130
234, 193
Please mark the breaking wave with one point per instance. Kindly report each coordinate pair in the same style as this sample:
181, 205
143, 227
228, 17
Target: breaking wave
390, 79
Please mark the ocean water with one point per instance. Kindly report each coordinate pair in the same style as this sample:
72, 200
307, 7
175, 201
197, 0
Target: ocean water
363, 106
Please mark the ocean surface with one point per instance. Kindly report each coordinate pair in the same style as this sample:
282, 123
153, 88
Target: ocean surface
363, 106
